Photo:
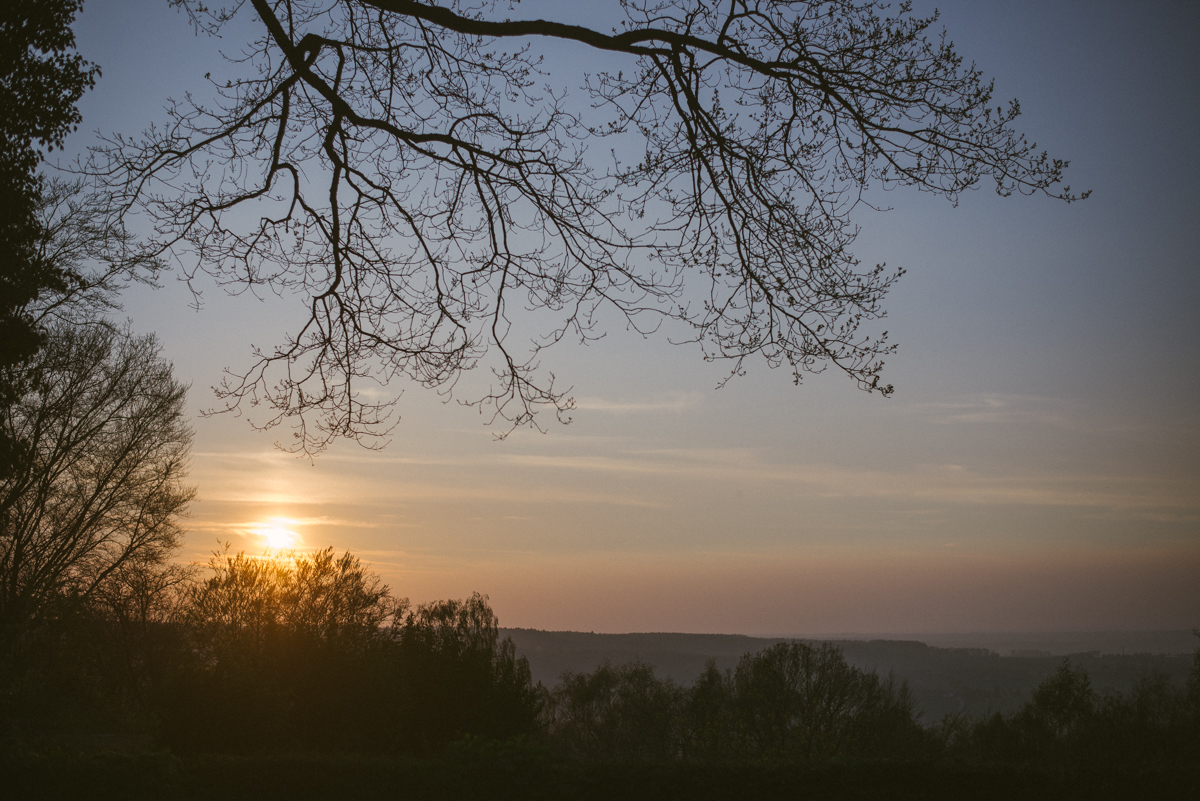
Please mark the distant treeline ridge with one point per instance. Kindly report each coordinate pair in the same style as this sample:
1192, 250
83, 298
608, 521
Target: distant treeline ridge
311, 653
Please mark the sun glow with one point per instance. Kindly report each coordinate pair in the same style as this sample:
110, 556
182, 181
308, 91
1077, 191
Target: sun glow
276, 537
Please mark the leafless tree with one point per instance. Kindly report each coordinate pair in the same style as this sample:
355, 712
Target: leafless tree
83, 239
410, 170
99, 491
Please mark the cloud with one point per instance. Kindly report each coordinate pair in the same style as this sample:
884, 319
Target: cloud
997, 408
293, 522
630, 477
673, 403
926, 483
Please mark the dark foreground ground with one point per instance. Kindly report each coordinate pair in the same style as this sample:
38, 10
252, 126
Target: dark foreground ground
528, 775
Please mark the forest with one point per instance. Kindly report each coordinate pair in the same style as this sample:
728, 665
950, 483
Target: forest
285, 673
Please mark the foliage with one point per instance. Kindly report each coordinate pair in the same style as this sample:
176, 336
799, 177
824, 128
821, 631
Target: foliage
404, 168
621, 713
459, 677
1067, 726
312, 651
40, 79
801, 701
90, 257
83, 240
89, 526
268, 638
309, 654
790, 702
1062, 704
710, 715
93, 452
315, 597
40, 82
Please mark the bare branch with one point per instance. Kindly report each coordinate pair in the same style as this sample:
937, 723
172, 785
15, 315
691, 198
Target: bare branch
398, 165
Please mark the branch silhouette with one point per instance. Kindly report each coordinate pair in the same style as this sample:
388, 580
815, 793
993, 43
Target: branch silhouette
403, 168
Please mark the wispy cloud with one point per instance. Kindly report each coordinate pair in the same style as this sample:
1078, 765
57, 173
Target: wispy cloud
996, 408
947, 483
672, 403
1028, 412
390, 491
629, 477
293, 522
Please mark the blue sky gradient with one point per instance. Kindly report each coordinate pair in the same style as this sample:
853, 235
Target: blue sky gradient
1037, 469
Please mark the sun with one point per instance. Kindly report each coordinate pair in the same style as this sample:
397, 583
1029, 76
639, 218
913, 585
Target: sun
276, 537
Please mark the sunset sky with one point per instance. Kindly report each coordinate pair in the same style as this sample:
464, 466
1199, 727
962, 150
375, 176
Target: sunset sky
1037, 469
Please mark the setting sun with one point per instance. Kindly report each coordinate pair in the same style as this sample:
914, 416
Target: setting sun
277, 537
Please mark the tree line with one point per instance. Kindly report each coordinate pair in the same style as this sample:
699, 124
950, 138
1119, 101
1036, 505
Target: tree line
312, 653
803, 702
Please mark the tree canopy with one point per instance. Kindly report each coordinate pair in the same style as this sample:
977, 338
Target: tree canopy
40, 82
441, 202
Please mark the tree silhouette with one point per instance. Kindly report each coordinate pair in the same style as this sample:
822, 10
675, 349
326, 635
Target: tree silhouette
84, 242
621, 712
457, 676
40, 82
806, 701
410, 171
100, 491
249, 602
284, 650
1062, 703
312, 651
790, 702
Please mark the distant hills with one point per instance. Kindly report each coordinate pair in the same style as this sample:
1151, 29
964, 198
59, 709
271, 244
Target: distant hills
1054, 643
954, 674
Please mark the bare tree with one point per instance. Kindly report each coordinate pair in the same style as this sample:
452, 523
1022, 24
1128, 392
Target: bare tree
82, 238
407, 168
99, 491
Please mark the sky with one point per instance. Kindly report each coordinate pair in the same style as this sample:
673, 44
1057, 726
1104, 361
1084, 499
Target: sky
1038, 468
